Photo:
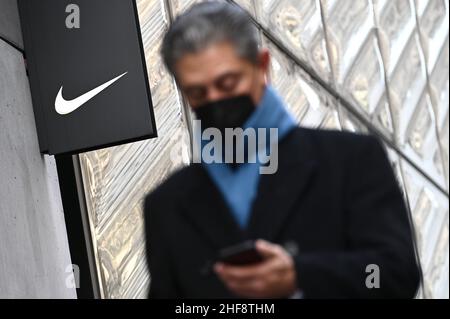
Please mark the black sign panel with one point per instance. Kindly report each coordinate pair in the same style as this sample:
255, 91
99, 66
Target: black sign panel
87, 74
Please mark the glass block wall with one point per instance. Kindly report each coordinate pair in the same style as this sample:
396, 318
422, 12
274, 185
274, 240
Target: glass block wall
378, 66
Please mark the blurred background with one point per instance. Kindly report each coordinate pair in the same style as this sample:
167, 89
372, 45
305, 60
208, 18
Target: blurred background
370, 66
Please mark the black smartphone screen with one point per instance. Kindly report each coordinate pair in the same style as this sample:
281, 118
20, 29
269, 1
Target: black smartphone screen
241, 254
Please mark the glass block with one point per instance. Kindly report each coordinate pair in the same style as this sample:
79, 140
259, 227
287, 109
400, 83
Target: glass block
430, 214
298, 26
395, 159
440, 165
433, 18
364, 83
331, 121
420, 127
439, 85
349, 122
382, 118
179, 6
357, 62
308, 101
421, 5
420, 142
348, 24
444, 139
248, 5
437, 277
406, 85
439, 89
117, 179
395, 21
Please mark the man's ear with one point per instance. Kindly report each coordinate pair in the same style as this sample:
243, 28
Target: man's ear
264, 62
264, 59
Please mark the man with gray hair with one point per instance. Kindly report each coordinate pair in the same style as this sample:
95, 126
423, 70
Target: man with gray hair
312, 228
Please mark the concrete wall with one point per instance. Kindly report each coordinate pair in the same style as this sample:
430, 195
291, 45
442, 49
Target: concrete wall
34, 252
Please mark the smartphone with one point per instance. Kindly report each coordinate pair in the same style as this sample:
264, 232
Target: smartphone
241, 254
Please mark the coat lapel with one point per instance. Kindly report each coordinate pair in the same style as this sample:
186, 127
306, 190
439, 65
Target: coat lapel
205, 207
278, 193
276, 197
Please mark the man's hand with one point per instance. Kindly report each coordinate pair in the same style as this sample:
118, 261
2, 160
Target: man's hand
275, 277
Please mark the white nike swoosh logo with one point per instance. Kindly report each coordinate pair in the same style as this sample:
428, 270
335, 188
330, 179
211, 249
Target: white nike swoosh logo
65, 107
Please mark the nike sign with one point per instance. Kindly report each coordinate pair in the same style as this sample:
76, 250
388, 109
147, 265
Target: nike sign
65, 107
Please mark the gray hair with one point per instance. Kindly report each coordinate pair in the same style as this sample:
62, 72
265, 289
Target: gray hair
208, 23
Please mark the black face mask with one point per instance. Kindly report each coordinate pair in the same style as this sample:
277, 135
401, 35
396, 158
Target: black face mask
226, 113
